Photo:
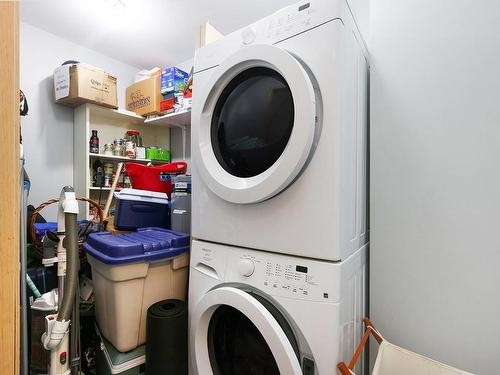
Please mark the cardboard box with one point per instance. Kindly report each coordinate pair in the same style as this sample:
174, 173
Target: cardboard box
167, 104
173, 80
144, 97
82, 83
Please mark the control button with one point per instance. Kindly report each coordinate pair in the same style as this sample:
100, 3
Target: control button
246, 267
248, 35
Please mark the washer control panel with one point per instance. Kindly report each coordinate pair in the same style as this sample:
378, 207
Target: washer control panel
291, 277
275, 274
283, 275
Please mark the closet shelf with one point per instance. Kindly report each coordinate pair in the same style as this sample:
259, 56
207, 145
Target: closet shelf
121, 115
177, 119
125, 159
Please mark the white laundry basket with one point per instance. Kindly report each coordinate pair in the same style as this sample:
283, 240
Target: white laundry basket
394, 360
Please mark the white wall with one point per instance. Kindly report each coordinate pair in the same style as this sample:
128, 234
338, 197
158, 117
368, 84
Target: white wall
48, 129
435, 178
176, 141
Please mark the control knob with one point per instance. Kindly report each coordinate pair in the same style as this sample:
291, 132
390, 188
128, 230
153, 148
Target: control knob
246, 267
248, 35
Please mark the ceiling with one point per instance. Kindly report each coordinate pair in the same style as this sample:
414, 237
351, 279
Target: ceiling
143, 33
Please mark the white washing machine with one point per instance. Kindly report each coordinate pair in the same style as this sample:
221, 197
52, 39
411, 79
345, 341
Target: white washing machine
254, 312
279, 134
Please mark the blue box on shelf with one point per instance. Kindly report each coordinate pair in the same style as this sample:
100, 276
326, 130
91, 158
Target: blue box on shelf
173, 80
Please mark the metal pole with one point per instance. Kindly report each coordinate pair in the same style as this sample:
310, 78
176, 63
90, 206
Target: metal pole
75, 349
23, 266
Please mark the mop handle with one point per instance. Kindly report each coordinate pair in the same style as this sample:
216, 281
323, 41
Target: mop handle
112, 191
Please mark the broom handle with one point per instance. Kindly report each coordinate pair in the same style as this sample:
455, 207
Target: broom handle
119, 168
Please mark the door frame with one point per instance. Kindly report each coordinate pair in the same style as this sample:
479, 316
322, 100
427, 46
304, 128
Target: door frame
9, 189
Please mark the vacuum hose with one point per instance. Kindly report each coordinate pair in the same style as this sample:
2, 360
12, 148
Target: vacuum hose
57, 329
70, 243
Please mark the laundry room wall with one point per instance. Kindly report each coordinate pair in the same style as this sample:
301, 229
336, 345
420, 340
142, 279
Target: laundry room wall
48, 129
435, 154
176, 141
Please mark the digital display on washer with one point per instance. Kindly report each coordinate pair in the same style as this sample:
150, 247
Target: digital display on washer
301, 269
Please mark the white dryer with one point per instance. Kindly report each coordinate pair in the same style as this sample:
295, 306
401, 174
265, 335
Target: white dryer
253, 312
279, 134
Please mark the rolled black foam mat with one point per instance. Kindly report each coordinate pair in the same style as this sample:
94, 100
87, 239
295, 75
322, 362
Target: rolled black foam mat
166, 338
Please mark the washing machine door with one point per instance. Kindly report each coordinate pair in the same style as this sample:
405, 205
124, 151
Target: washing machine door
233, 333
256, 126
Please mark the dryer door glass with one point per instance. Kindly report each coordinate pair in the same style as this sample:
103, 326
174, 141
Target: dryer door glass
236, 347
252, 122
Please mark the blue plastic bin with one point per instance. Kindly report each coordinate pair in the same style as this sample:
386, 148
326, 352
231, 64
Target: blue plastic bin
132, 271
147, 244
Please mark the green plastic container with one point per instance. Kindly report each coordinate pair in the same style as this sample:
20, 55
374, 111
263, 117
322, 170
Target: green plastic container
162, 154
151, 152
111, 361
155, 153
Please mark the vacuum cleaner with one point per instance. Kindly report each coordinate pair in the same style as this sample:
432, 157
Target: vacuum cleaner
64, 358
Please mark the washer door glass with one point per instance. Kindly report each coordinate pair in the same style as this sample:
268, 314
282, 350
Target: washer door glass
234, 332
252, 122
236, 346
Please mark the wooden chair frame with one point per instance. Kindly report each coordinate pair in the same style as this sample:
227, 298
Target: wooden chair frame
370, 329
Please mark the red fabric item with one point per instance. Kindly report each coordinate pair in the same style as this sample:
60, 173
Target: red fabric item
154, 178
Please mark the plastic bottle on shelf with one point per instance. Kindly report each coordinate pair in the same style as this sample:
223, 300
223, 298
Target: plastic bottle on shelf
108, 174
126, 181
108, 149
133, 140
94, 143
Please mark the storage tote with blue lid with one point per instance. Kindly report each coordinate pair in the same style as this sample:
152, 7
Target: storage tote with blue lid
132, 271
146, 244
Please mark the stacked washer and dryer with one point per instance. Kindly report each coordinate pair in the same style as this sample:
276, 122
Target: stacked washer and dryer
279, 226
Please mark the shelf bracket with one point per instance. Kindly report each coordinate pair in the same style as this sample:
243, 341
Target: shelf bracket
184, 140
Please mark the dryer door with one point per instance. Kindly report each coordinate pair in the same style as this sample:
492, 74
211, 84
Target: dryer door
257, 124
233, 333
